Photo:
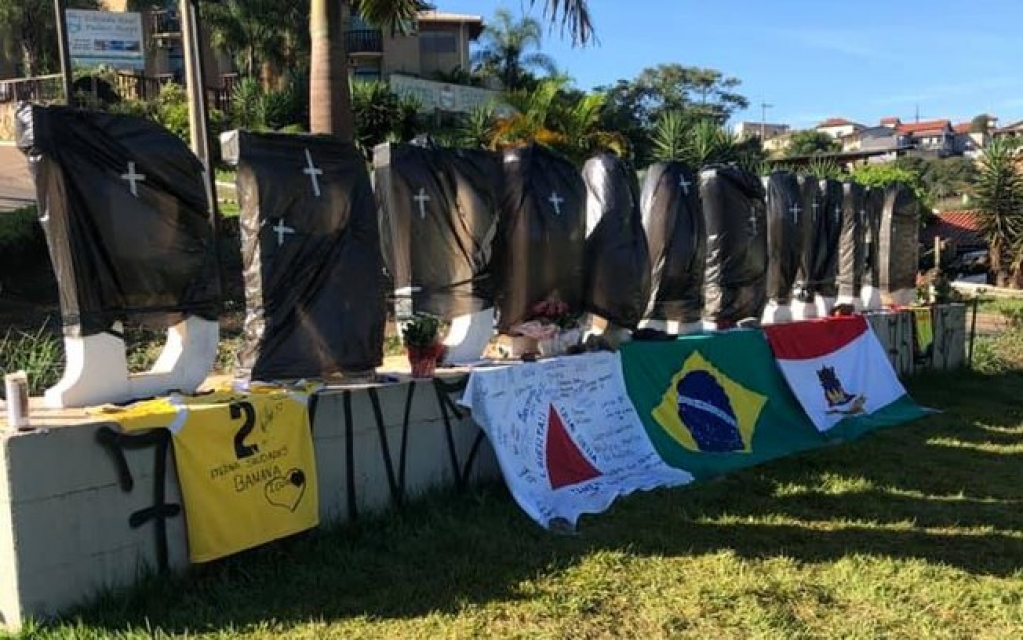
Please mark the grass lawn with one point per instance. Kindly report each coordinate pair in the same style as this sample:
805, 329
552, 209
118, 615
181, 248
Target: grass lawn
910, 532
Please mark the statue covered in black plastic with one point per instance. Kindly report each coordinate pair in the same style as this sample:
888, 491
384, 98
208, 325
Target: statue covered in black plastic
438, 219
899, 239
785, 220
850, 244
734, 213
617, 261
539, 252
314, 283
677, 241
812, 243
873, 204
123, 204
829, 231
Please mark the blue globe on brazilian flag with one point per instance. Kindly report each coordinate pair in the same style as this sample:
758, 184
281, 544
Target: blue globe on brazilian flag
713, 403
704, 410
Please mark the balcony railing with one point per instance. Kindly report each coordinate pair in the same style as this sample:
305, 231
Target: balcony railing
39, 89
364, 41
165, 23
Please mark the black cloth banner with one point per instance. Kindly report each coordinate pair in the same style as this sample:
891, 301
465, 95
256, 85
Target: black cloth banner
734, 213
617, 260
677, 241
438, 220
540, 246
314, 277
123, 204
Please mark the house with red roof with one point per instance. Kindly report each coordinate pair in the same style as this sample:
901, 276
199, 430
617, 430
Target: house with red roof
930, 135
958, 229
839, 127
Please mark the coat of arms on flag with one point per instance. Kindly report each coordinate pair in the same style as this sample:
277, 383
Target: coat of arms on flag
839, 400
704, 410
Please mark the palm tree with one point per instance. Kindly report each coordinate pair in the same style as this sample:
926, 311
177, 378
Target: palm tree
1000, 208
505, 51
255, 33
329, 93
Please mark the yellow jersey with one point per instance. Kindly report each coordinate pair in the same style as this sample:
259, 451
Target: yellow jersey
245, 462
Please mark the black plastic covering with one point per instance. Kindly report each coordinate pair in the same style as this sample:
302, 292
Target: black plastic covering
829, 232
873, 204
785, 221
540, 246
850, 244
898, 244
734, 213
812, 202
677, 241
438, 219
123, 204
314, 281
617, 260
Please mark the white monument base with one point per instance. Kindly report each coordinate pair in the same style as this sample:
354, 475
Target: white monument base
856, 303
775, 313
900, 297
803, 310
824, 305
870, 297
468, 337
672, 327
96, 367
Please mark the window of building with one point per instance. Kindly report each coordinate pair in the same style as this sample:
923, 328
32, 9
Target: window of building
437, 42
366, 73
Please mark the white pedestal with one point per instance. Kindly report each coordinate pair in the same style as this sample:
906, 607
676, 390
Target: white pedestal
96, 367
775, 313
468, 337
672, 327
856, 303
871, 298
824, 305
804, 310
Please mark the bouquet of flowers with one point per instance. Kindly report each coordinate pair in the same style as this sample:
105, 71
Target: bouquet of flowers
553, 325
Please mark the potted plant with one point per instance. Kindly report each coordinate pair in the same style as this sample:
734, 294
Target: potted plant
421, 337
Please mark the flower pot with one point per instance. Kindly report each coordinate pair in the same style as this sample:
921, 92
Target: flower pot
423, 360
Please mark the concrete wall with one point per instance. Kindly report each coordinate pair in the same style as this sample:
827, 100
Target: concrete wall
64, 531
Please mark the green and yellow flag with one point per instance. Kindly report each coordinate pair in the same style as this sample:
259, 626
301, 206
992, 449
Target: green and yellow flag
716, 402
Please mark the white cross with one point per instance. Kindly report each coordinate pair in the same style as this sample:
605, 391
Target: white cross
422, 199
795, 210
753, 220
816, 206
684, 184
556, 201
133, 178
863, 214
312, 171
281, 229
838, 213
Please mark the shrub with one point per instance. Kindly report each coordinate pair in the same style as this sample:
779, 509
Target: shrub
40, 354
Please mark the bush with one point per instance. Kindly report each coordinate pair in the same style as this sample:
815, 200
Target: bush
22, 245
39, 354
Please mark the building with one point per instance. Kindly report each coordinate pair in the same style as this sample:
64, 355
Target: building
763, 130
936, 136
838, 127
436, 46
1012, 130
879, 138
969, 143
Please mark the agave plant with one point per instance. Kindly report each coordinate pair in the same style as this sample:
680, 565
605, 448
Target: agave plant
1000, 208
669, 137
824, 168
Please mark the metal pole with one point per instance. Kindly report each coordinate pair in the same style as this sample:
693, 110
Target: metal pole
67, 73
198, 114
973, 328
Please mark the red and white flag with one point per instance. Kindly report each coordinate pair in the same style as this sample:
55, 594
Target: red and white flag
836, 368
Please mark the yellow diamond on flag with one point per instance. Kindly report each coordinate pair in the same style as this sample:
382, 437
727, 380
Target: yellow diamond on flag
705, 410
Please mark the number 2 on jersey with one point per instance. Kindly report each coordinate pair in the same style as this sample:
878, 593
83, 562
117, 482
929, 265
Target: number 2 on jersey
242, 450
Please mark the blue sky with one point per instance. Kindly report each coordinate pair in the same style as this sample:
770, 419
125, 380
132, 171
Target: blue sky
812, 59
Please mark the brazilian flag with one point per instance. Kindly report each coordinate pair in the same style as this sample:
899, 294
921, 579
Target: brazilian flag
715, 402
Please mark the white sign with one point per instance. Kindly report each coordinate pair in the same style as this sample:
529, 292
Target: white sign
111, 38
439, 95
567, 436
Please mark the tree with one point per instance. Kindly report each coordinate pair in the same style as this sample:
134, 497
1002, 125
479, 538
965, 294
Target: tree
702, 142
882, 175
329, 92
27, 31
809, 143
505, 51
634, 107
258, 33
1000, 209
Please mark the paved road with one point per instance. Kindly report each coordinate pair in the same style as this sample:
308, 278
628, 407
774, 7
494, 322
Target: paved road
16, 189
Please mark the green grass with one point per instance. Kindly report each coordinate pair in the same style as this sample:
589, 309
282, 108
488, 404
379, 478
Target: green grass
912, 532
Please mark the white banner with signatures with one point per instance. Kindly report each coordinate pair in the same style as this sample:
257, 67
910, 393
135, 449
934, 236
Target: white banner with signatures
566, 435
